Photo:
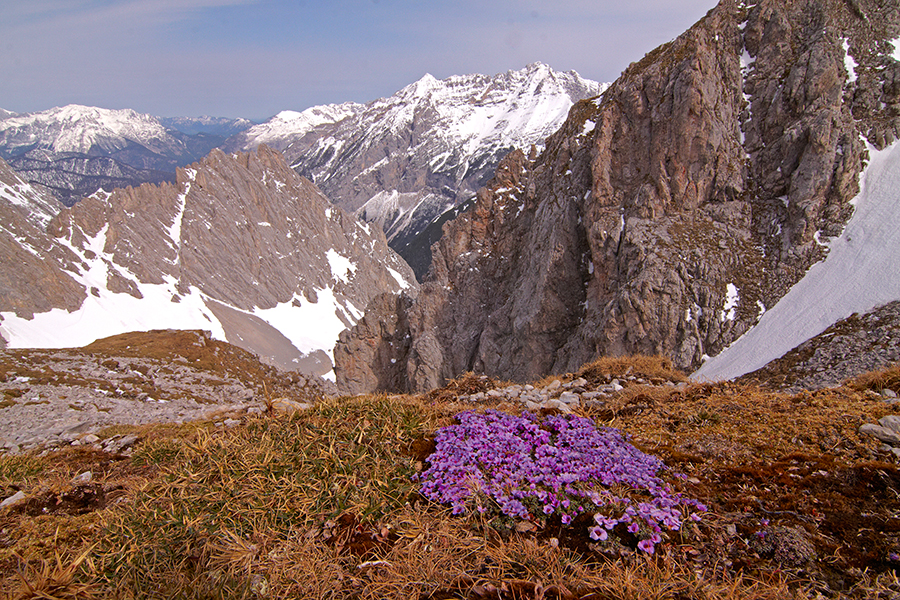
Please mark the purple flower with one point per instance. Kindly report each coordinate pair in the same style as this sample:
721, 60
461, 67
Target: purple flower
646, 545
524, 466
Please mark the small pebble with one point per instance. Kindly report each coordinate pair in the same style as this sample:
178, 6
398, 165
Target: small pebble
83, 478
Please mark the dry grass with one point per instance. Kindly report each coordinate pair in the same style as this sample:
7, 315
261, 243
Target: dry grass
749, 423
652, 369
321, 505
878, 381
656, 369
55, 579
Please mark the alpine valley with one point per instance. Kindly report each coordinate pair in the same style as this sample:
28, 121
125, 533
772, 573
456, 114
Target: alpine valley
653, 351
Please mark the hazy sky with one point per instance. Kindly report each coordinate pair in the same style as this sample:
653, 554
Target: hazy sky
253, 58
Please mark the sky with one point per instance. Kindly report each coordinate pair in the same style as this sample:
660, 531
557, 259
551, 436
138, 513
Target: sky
254, 58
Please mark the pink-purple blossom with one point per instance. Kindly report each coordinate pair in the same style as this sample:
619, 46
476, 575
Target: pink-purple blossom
563, 465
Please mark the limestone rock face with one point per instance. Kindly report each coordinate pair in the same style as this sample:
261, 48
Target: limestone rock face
373, 358
31, 272
247, 247
665, 215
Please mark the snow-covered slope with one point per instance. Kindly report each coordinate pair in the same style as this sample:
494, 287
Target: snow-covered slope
861, 271
76, 128
287, 125
403, 161
34, 204
211, 125
240, 245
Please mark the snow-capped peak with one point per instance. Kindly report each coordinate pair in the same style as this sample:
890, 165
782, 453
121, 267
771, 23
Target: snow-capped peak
420, 88
293, 123
405, 159
76, 128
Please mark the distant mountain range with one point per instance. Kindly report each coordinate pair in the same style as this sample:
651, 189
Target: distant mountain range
76, 150
400, 162
404, 161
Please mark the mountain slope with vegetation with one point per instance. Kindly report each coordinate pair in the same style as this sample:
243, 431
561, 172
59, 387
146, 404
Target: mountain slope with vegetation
323, 503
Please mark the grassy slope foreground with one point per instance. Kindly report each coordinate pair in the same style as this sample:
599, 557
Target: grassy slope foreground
321, 504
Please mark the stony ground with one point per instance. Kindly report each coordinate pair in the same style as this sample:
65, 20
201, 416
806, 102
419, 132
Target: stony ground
852, 346
55, 397
802, 489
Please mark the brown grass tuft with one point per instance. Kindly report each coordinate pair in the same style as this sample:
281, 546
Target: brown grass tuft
656, 369
877, 381
53, 579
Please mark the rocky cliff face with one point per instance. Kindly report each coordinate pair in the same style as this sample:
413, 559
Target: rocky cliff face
663, 217
403, 161
240, 245
32, 278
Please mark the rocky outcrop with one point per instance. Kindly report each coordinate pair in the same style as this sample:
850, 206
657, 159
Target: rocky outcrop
32, 275
858, 344
665, 215
373, 356
62, 397
240, 244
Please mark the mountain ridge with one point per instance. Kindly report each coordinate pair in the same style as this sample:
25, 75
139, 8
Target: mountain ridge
239, 245
663, 215
403, 161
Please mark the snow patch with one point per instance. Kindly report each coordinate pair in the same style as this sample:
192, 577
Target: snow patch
341, 266
849, 63
110, 313
311, 326
399, 278
175, 229
732, 298
859, 273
